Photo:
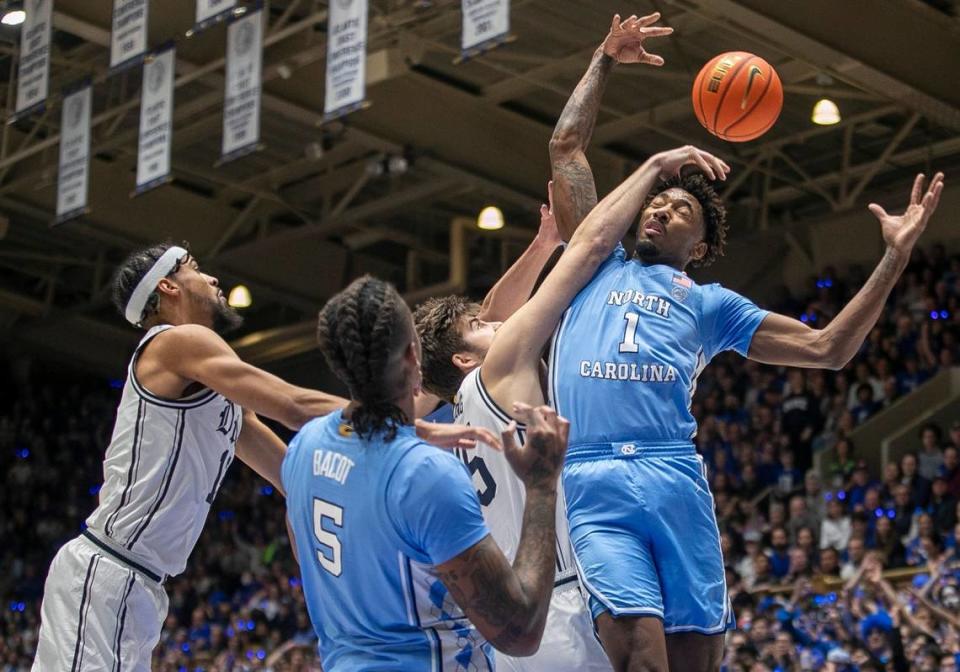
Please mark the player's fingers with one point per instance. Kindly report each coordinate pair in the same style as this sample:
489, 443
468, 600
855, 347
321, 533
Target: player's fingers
649, 19
550, 194
544, 211
564, 428
615, 23
523, 412
507, 437
656, 31
466, 443
704, 166
877, 211
488, 437
652, 59
549, 416
917, 189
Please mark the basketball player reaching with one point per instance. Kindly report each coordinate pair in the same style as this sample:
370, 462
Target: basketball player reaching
457, 341
188, 405
623, 368
399, 570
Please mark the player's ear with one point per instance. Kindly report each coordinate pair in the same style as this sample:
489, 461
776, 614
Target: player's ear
168, 287
699, 251
465, 361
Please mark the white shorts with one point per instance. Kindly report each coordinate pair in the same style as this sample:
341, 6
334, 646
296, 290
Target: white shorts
568, 643
97, 613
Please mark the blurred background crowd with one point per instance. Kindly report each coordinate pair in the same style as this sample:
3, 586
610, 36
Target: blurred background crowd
845, 568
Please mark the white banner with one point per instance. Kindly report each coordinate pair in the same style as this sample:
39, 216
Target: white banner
241, 99
485, 23
156, 123
211, 11
72, 178
128, 39
34, 73
346, 57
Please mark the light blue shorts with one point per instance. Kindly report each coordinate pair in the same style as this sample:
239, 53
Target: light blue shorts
645, 535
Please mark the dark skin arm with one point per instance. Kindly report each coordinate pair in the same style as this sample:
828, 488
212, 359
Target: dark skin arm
784, 341
575, 192
509, 604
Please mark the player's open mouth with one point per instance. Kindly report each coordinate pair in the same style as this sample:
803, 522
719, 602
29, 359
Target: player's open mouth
653, 228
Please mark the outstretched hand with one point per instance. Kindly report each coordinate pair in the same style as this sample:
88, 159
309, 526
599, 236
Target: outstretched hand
448, 436
624, 42
901, 232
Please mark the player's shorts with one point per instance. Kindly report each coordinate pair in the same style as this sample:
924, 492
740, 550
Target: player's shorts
645, 535
568, 643
97, 613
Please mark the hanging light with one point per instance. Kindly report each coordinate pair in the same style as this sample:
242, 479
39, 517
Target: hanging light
490, 218
239, 297
13, 17
825, 113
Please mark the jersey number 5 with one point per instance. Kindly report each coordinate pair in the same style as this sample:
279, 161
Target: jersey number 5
323, 509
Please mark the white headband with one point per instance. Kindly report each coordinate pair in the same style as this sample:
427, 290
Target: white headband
161, 269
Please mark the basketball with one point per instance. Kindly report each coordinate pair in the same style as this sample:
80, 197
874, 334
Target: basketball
737, 96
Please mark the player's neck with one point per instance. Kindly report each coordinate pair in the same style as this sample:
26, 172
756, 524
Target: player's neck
656, 261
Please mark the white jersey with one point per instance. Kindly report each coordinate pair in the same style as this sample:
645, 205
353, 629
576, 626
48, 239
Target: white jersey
501, 493
164, 465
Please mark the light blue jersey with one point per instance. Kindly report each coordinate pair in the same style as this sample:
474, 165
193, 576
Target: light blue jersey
371, 520
623, 369
626, 356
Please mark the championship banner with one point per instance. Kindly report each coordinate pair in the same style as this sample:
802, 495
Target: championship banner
156, 120
486, 23
34, 72
210, 12
241, 98
128, 39
346, 57
73, 176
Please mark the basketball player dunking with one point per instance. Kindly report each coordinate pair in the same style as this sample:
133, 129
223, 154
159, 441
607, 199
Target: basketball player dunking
188, 403
623, 369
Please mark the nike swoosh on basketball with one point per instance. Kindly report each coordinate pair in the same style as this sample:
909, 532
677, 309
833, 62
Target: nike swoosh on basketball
754, 71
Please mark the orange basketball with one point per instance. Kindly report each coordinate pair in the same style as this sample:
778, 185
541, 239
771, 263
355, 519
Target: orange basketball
737, 96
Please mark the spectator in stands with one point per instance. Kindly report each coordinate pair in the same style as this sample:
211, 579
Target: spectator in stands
866, 404
951, 469
842, 463
779, 553
943, 506
800, 517
813, 494
835, 528
930, 457
864, 376
918, 485
829, 564
887, 542
856, 550
891, 479
859, 484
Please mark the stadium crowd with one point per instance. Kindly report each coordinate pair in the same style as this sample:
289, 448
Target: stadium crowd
812, 563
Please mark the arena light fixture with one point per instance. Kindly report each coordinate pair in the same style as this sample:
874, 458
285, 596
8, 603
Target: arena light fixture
825, 113
490, 218
13, 17
240, 297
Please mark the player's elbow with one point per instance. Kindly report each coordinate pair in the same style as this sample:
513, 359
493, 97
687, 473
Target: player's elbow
564, 143
829, 352
518, 645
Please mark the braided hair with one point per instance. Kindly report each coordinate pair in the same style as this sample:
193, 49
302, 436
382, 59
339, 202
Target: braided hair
129, 274
362, 331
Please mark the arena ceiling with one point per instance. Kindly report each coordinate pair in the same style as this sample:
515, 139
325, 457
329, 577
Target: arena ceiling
314, 207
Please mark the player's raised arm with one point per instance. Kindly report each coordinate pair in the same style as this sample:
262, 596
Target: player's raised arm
516, 285
785, 341
508, 604
576, 192
521, 339
197, 353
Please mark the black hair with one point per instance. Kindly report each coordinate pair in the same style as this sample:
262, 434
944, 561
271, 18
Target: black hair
358, 331
714, 213
129, 274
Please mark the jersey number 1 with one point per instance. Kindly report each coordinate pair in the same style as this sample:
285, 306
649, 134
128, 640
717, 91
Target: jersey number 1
323, 509
629, 342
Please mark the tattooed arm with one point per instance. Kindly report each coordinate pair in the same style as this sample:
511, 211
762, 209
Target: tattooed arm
574, 187
508, 604
785, 341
